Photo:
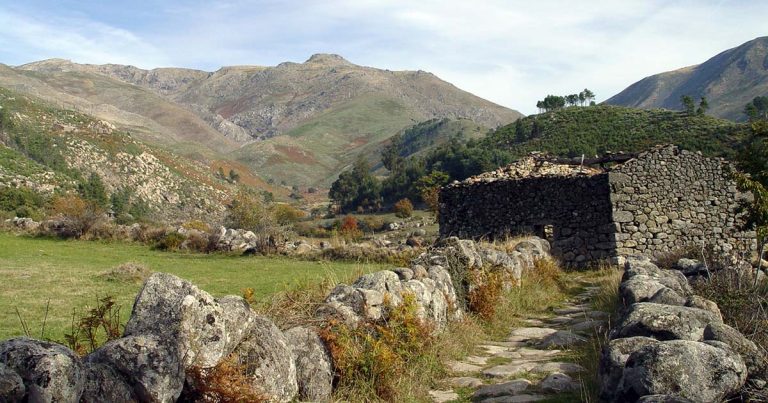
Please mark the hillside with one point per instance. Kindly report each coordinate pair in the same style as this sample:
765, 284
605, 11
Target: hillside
729, 81
598, 129
295, 122
47, 150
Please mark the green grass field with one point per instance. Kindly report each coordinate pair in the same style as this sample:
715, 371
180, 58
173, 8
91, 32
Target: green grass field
34, 271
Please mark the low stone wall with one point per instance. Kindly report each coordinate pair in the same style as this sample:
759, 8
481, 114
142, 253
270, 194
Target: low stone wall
670, 344
175, 327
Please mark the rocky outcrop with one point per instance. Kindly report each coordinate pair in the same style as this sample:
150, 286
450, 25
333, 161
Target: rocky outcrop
314, 365
665, 331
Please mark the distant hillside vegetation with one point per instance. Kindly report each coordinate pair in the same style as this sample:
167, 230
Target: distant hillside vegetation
596, 129
45, 150
729, 81
297, 123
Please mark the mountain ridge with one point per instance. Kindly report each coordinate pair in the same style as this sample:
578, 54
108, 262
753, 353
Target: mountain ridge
729, 80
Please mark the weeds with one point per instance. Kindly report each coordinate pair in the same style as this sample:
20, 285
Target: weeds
227, 382
99, 325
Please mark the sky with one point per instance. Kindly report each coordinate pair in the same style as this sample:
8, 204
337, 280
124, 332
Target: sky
510, 52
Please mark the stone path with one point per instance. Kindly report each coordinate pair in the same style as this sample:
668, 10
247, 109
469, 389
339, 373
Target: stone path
531, 364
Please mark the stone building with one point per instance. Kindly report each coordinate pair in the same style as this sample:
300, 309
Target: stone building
658, 201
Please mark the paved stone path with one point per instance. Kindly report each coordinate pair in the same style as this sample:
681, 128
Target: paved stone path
531, 364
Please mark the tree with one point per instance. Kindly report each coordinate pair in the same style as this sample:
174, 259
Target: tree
757, 109
94, 190
403, 208
429, 187
520, 134
390, 154
689, 106
703, 106
589, 96
752, 161
356, 187
572, 99
582, 98
249, 211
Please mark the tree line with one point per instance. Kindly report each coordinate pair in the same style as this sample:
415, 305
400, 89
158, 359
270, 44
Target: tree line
555, 102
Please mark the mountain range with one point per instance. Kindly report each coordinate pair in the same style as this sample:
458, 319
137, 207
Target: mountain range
298, 123
728, 80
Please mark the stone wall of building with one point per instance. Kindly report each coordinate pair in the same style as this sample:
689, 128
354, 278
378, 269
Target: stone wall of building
668, 199
664, 199
573, 213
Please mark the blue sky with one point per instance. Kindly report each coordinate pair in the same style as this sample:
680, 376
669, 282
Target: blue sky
510, 52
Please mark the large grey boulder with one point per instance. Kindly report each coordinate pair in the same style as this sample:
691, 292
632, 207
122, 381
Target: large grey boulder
641, 265
104, 384
753, 357
664, 322
696, 301
269, 360
698, 371
238, 317
50, 371
385, 282
612, 360
639, 288
690, 267
150, 364
11, 385
667, 296
345, 303
180, 313
664, 399
314, 368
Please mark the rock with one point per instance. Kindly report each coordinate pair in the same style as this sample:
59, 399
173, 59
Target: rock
180, 313
314, 368
523, 398
419, 272
533, 332
404, 273
641, 265
507, 370
663, 399
150, 364
465, 382
690, 267
104, 384
711, 373
461, 367
664, 322
667, 296
753, 357
558, 383
269, 360
344, 302
11, 385
442, 396
238, 317
696, 301
386, 282
303, 249
564, 367
612, 360
588, 326
511, 388
50, 372
561, 338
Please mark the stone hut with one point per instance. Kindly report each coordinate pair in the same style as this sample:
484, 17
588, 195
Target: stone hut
655, 202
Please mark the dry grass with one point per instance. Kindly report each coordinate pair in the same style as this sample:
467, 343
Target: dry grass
227, 382
131, 272
607, 300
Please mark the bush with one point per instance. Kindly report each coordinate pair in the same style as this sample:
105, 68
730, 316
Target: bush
249, 211
171, 241
372, 224
403, 208
99, 325
23, 201
286, 214
130, 272
197, 225
227, 382
348, 228
485, 292
372, 358
73, 216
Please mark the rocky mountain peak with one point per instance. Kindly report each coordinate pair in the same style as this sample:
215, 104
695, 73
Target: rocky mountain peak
327, 58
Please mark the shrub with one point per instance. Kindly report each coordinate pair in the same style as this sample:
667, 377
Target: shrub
199, 242
348, 228
99, 325
403, 208
73, 216
131, 272
249, 211
197, 225
171, 241
21, 200
286, 214
372, 223
485, 292
227, 382
372, 358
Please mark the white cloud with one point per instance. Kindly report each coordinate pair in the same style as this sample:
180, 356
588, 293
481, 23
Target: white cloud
511, 52
79, 39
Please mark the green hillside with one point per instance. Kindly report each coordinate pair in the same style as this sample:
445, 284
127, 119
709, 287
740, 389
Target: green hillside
594, 130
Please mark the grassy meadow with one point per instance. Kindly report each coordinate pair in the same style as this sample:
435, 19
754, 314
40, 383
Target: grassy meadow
69, 274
